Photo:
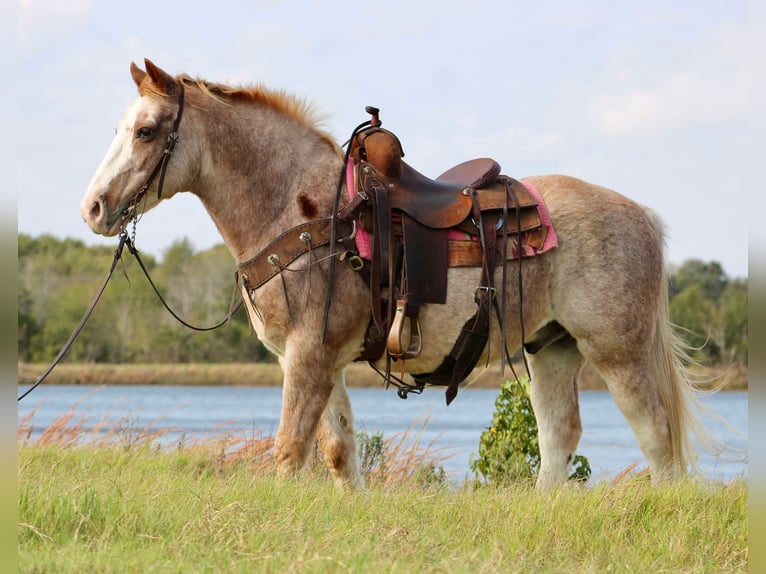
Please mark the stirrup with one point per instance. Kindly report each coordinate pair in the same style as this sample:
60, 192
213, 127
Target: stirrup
395, 344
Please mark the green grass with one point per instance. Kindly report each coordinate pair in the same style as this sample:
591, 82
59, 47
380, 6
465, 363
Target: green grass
129, 506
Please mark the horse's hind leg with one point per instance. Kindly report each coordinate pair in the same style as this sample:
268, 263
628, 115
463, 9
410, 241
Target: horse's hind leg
336, 435
553, 392
634, 389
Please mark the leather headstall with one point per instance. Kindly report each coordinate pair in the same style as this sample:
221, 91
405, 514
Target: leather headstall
162, 164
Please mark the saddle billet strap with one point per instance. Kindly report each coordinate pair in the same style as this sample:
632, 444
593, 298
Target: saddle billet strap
504, 302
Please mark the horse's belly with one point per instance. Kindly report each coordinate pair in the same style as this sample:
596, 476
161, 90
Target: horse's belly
441, 324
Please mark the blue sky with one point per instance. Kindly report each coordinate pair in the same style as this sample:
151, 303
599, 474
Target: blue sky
653, 99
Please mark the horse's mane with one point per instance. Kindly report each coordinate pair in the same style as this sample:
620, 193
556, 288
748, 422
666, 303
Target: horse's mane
297, 108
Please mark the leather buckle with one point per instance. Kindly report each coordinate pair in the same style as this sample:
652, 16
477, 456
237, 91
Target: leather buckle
488, 292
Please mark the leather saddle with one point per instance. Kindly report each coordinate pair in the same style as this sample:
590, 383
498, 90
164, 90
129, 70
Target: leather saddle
412, 220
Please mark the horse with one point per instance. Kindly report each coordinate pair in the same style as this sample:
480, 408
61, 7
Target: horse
261, 164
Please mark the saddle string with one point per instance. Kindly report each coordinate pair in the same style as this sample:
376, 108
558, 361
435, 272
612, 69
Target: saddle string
520, 248
504, 355
312, 258
282, 269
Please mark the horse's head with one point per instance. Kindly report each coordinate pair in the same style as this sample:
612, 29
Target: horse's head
126, 183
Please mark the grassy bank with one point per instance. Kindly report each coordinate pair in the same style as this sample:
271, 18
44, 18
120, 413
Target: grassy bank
139, 509
251, 374
265, 375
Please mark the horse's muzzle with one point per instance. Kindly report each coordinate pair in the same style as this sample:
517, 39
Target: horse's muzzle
95, 212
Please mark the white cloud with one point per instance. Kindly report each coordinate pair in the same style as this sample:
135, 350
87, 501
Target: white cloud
705, 88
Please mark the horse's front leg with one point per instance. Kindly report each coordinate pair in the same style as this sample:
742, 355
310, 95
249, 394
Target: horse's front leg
308, 383
315, 403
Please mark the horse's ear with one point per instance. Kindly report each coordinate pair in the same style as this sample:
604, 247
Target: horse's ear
160, 78
137, 73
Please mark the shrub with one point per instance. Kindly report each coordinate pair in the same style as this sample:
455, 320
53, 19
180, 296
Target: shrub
509, 450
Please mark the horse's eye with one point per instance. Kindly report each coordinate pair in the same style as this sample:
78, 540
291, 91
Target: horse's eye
145, 133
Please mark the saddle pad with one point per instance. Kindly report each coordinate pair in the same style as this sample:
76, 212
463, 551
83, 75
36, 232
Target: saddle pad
364, 243
531, 247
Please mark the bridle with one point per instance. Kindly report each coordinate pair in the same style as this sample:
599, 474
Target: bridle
130, 212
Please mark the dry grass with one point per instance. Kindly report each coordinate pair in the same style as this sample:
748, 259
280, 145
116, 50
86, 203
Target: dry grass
270, 375
402, 455
255, 374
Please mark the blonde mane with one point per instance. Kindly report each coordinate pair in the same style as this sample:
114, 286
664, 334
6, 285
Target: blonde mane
297, 108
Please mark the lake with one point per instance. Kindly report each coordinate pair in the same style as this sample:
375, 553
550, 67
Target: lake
196, 411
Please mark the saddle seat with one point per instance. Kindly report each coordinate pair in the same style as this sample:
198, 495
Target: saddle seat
441, 203
444, 202
438, 203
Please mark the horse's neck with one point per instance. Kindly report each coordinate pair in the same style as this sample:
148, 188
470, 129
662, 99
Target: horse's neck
264, 178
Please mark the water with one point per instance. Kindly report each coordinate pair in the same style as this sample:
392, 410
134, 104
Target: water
194, 411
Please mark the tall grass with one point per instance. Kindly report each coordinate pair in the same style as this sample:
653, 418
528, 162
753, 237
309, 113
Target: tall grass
120, 503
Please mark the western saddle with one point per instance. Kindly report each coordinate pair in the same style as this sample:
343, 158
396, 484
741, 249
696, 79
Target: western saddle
419, 227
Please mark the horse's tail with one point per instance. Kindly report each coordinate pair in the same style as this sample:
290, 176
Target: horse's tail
679, 389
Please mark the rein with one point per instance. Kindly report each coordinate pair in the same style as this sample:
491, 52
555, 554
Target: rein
233, 308
374, 122
125, 241
117, 255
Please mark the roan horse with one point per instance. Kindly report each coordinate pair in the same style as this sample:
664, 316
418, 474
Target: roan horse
259, 163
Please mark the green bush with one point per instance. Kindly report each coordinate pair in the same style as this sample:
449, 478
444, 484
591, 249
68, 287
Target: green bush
509, 450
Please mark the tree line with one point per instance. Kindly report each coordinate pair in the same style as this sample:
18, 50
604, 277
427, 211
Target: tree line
58, 279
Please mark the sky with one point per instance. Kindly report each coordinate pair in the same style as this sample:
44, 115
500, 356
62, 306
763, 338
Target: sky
653, 99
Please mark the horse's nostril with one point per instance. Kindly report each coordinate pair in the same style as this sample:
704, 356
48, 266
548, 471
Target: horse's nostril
95, 211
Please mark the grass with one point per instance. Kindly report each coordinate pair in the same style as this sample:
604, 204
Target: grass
256, 374
114, 501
